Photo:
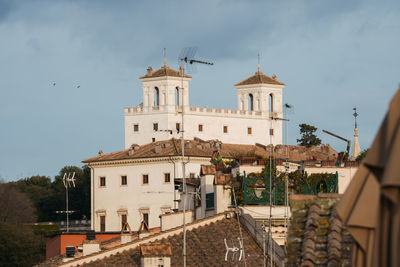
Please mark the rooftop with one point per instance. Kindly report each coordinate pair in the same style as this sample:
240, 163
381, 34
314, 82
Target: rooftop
205, 246
260, 78
200, 148
316, 235
162, 72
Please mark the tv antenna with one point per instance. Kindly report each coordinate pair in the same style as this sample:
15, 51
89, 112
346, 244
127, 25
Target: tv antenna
236, 251
68, 180
185, 60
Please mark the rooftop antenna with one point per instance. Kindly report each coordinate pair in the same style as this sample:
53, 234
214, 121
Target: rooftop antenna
68, 180
237, 251
185, 59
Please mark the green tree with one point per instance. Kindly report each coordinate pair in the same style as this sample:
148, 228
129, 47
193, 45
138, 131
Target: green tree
362, 155
308, 138
19, 246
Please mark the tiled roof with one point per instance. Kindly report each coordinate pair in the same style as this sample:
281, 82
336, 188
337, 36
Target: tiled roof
205, 247
155, 250
163, 71
259, 78
199, 148
316, 235
207, 170
222, 178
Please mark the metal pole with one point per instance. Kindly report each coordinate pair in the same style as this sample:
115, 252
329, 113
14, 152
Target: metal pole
270, 194
66, 193
183, 173
265, 258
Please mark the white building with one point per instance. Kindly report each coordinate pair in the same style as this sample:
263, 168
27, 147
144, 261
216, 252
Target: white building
137, 184
159, 116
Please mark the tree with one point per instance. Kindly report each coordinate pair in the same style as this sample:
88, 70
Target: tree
308, 138
362, 155
19, 246
15, 206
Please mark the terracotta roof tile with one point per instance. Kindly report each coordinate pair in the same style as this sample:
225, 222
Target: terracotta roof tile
259, 78
316, 235
163, 71
155, 250
207, 170
205, 247
222, 178
199, 148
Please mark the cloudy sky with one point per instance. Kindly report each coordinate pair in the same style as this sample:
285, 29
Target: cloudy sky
332, 55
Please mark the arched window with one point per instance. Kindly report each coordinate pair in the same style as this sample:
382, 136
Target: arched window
271, 103
176, 96
251, 102
156, 97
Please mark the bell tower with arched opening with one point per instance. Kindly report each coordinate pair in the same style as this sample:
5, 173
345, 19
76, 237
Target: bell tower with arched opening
260, 93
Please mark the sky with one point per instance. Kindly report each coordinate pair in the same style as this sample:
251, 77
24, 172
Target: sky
332, 56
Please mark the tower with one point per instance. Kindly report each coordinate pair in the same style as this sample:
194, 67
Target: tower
356, 145
260, 93
161, 89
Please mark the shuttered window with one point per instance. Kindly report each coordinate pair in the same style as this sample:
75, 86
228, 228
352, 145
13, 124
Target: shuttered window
209, 200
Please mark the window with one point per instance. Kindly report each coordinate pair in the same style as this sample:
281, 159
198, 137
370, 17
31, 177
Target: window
176, 96
225, 129
271, 103
136, 127
209, 200
124, 180
192, 175
124, 220
200, 127
249, 130
155, 126
153, 140
145, 178
251, 104
167, 177
178, 127
146, 218
102, 223
156, 97
102, 181
271, 131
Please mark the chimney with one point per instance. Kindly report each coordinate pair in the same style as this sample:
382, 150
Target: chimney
157, 149
149, 71
181, 71
90, 247
100, 152
132, 149
155, 255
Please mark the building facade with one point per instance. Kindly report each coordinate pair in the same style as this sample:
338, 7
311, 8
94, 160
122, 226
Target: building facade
166, 92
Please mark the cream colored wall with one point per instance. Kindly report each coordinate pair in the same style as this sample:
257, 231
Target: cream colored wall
114, 199
173, 220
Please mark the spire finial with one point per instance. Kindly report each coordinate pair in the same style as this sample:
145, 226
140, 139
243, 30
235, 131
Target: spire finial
165, 56
258, 64
355, 114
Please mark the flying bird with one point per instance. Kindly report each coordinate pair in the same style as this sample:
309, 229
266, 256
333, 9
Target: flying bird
54, 83
78, 86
